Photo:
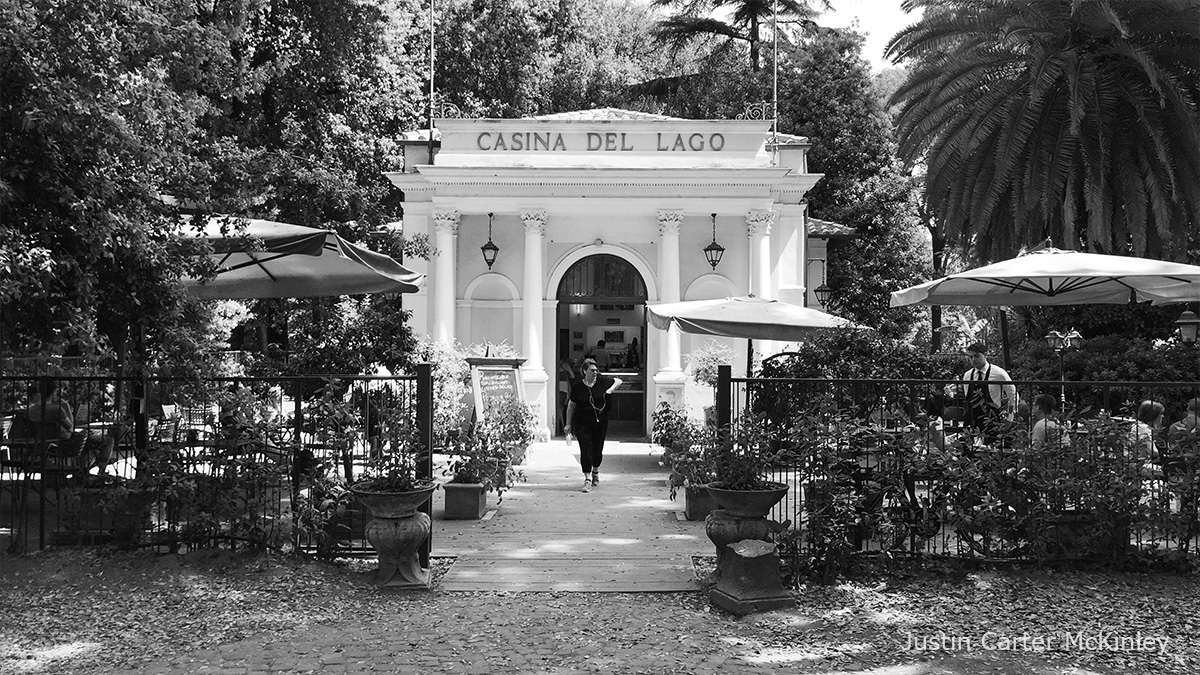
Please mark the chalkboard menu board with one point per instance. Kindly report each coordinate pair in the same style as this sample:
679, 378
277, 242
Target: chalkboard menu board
494, 383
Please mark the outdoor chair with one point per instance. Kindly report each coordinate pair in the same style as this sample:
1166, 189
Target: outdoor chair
37, 465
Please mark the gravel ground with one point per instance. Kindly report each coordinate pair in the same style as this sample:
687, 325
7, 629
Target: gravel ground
93, 611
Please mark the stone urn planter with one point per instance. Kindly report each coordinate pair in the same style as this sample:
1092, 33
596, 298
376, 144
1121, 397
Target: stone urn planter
747, 577
397, 530
747, 503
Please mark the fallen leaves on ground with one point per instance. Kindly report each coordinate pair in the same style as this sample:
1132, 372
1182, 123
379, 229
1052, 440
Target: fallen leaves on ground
98, 611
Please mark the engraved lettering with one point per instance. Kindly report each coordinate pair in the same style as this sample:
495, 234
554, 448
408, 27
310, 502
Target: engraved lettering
594, 141
695, 144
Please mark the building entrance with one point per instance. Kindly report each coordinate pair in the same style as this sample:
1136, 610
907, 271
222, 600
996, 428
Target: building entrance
602, 313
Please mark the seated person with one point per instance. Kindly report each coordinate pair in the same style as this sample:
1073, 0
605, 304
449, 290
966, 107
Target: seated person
45, 407
1183, 441
1046, 431
1187, 430
1141, 433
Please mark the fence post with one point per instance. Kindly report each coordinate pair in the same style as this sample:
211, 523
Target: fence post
425, 429
724, 402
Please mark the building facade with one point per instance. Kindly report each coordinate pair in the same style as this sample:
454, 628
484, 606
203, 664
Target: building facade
594, 215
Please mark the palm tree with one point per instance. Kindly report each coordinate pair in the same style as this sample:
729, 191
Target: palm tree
746, 18
1076, 120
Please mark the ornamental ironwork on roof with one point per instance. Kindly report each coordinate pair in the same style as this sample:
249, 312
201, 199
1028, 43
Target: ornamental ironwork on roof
829, 230
603, 114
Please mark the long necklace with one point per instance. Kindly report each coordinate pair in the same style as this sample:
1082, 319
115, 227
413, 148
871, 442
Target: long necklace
603, 404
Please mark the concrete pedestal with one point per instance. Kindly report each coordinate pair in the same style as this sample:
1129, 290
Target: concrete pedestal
750, 581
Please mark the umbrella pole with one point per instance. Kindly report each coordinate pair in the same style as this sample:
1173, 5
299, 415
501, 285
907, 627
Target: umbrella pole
1004, 338
749, 358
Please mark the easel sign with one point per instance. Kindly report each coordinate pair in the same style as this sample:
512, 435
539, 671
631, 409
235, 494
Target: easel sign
493, 380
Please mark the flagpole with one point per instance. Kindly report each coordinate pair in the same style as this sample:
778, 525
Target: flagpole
775, 79
431, 61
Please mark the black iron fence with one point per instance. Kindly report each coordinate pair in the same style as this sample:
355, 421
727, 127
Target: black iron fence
179, 463
917, 467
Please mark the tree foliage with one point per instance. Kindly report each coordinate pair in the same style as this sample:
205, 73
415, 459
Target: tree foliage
92, 128
827, 96
746, 23
283, 110
1076, 120
526, 57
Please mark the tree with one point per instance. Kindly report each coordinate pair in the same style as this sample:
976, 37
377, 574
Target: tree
744, 24
1076, 120
528, 57
826, 95
284, 110
92, 130
890, 252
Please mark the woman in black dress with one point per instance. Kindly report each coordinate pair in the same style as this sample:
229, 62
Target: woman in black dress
587, 418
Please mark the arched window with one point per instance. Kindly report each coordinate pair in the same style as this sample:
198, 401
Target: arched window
602, 277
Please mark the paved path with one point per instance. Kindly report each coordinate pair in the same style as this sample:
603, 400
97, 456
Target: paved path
547, 535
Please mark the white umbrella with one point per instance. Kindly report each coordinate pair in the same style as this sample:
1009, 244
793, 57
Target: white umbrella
1051, 276
744, 317
297, 262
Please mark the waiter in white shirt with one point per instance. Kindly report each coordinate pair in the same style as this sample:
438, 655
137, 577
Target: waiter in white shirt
987, 394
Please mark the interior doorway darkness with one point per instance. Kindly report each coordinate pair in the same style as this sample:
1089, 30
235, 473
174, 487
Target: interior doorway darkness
603, 298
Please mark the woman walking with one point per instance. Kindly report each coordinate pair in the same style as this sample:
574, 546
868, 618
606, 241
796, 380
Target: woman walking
587, 418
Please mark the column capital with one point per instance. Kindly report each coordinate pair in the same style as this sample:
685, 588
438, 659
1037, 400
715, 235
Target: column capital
446, 221
535, 222
669, 221
759, 222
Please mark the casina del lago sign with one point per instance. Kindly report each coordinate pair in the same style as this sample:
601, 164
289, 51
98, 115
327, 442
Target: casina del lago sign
661, 137
594, 141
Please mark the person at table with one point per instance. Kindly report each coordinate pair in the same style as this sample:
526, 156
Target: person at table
1046, 431
1142, 432
1183, 440
46, 407
587, 418
601, 356
988, 397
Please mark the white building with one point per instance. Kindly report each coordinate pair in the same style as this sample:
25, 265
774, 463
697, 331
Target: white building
597, 214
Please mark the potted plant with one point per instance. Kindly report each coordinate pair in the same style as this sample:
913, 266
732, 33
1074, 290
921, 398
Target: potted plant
508, 424
687, 444
740, 458
391, 491
477, 466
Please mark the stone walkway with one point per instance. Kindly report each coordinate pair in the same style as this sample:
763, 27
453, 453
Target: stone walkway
547, 535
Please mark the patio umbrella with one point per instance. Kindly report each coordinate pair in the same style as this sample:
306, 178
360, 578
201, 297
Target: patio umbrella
1051, 276
297, 262
744, 317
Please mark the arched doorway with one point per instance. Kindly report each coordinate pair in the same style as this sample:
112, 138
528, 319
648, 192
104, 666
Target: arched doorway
602, 298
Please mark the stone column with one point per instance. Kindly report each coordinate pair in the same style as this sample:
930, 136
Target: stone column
792, 255
446, 226
668, 380
758, 226
534, 372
